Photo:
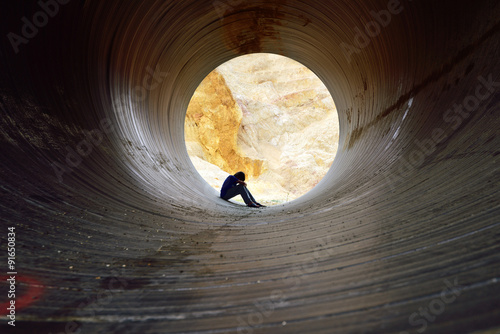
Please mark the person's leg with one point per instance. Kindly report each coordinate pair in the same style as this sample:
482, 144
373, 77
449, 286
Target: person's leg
239, 190
249, 195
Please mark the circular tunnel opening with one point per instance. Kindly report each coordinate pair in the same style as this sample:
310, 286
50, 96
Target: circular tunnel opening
268, 116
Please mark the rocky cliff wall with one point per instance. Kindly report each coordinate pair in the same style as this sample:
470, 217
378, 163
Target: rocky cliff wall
213, 120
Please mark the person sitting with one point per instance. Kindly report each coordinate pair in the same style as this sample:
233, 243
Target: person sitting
235, 185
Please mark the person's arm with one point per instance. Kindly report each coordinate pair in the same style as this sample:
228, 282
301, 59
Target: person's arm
241, 182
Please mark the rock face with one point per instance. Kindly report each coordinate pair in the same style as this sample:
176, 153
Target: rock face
262, 114
213, 122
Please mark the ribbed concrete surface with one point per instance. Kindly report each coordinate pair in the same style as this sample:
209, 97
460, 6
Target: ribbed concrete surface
131, 239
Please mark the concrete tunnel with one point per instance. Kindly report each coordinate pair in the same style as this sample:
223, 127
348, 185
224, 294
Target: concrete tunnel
115, 231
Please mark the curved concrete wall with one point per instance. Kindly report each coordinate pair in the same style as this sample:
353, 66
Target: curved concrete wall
116, 232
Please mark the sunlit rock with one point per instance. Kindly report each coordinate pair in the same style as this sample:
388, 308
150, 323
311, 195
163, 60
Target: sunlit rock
268, 116
212, 125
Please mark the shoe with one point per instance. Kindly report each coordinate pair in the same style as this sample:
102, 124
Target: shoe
253, 205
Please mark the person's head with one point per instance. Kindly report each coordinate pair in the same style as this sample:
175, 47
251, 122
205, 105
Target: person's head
240, 176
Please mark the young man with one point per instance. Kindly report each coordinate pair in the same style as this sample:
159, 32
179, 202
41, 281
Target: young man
235, 185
